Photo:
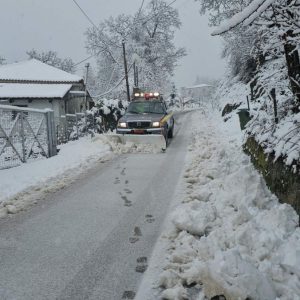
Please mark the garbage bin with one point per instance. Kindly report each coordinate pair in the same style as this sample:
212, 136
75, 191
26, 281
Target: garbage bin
244, 117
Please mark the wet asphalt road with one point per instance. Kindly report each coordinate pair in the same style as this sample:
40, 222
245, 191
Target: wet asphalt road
93, 239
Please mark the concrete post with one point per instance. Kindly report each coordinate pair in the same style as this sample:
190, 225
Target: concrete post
52, 142
23, 136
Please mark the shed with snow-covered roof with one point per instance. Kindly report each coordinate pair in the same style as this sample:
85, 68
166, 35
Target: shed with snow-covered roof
35, 84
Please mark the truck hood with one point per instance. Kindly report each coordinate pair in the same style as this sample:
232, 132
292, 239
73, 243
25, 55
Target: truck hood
141, 117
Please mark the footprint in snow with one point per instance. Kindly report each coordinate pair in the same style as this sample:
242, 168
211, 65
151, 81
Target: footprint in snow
149, 219
127, 202
117, 180
128, 295
128, 191
136, 235
141, 264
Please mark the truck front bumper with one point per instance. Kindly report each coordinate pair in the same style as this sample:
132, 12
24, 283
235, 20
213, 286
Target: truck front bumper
140, 131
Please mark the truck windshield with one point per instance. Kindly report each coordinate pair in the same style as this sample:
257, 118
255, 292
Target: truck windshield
145, 107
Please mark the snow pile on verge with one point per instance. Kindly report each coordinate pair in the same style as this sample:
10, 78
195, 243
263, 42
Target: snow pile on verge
23, 185
230, 235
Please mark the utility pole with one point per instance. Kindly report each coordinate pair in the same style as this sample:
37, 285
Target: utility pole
87, 65
126, 71
135, 75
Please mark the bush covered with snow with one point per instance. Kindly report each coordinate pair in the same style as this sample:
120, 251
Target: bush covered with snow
108, 112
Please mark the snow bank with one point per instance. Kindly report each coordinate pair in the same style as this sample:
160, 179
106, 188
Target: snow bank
17, 185
232, 236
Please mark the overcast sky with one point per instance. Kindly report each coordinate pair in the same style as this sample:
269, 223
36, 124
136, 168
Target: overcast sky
59, 25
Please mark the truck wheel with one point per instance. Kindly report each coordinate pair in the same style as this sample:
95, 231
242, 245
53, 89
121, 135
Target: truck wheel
167, 138
170, 132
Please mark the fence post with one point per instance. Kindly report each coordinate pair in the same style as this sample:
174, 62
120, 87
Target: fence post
248, 103
23, 136
52, 150
251, 92
66, 129
94, 123
77, 131
273, 96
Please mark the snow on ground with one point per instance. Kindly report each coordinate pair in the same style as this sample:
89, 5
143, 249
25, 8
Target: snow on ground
228, 235
25, 185
20, 186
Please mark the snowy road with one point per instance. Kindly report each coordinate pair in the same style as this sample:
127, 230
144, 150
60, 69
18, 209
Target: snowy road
93, 239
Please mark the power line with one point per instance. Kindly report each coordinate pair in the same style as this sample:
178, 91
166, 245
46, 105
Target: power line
80, 62
108, 92
94, 25
155, 15
85, 14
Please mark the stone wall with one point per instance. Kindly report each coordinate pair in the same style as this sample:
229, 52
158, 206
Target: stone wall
280, 178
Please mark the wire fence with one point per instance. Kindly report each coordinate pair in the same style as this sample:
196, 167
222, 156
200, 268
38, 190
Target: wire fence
74, 126
25, 135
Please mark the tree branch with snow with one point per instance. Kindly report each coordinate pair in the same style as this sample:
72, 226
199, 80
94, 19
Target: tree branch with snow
251, 12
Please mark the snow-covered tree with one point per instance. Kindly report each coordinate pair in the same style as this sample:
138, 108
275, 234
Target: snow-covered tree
220, 10
155, 37
277, 26
2, 60
273, 27
237, 43
149, 42
51, 58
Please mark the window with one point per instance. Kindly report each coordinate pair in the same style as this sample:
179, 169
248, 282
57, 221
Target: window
146, 107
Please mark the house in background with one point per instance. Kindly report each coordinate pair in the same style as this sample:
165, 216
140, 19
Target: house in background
34, 84
197, 94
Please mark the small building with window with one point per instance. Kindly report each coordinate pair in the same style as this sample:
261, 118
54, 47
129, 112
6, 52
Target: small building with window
34, 84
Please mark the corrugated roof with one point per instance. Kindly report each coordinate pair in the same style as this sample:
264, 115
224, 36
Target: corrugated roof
22, 90
34, 70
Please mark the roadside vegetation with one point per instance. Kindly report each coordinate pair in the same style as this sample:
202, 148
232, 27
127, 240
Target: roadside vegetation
261, 45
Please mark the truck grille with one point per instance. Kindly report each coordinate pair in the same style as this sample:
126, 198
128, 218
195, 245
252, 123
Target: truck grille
139, 124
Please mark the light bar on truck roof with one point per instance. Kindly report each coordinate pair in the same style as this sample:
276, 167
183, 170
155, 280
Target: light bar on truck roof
146, 95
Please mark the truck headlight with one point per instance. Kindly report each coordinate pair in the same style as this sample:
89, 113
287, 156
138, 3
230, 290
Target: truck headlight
123, 124
155, 124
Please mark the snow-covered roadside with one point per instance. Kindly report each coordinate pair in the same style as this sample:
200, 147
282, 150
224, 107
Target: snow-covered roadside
229, 235
24, 185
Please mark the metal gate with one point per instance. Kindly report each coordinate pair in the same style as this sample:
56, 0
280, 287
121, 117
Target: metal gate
25, 135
